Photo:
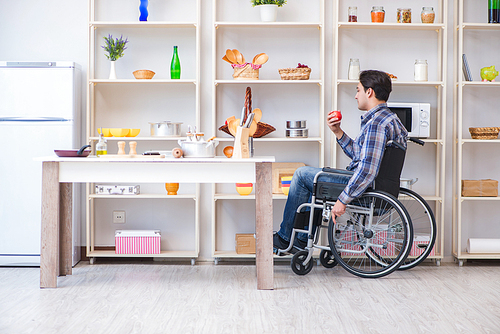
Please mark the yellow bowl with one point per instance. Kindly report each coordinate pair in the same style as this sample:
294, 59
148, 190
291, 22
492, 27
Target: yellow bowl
285, 184
117, 132
244, 189
133, 132
105, 132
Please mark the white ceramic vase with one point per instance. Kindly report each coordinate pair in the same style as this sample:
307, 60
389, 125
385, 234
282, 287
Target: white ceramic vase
268, 13
112, 71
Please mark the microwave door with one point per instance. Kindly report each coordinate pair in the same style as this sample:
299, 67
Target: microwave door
405, 115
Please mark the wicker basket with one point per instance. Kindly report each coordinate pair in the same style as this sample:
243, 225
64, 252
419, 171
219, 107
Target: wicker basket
262, 130
143, 74
484, 133
245, 72
295, 73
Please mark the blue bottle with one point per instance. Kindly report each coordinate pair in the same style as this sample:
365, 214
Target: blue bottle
143, 9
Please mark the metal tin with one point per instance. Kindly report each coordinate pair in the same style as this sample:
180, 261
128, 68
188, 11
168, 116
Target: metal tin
165, 129
296, 124
296, 133
198, 149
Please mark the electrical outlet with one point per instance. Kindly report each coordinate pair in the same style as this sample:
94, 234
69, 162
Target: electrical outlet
118, 217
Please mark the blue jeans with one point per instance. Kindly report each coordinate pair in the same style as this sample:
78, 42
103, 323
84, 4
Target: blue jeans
301, 192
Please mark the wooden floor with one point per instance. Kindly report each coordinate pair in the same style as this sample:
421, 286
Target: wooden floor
157, 297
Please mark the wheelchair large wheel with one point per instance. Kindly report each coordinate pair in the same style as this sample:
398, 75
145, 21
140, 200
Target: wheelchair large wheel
424, 227
297, 263
372, 239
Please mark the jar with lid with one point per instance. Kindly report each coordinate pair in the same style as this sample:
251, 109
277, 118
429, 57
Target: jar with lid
421, 73
353, 14
427, 15
353, 73
404, 15
378, 14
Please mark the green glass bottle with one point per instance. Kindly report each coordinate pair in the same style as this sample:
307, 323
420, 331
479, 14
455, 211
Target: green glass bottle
175, 66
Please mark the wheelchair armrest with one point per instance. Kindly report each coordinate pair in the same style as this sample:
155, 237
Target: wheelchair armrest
338, 171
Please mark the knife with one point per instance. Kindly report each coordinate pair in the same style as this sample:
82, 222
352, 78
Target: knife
242, 119
249, 120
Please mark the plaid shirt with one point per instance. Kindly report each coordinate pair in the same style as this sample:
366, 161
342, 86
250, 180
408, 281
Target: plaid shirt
378, 126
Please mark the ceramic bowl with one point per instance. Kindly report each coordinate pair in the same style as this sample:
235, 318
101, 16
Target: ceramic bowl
105, 132
244, 189
117, 132
285, 184
133, 132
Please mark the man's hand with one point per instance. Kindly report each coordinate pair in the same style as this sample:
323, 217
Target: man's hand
334, 125
338, 210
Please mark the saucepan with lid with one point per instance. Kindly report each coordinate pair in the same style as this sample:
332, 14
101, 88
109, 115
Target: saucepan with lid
165, 129
198, 149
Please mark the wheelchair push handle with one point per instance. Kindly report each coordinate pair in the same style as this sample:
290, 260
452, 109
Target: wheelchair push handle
416, 141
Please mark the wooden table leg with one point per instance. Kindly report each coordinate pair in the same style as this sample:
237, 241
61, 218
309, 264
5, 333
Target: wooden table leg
65, 228
264, 226
49, 253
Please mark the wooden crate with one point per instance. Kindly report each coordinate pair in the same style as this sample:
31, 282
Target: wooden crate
283, 169
245, 243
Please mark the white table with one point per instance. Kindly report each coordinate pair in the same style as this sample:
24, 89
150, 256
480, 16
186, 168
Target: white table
58, 175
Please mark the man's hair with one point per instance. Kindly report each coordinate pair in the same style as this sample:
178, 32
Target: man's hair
379, 81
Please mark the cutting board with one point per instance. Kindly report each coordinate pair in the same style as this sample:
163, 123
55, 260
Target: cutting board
283, 169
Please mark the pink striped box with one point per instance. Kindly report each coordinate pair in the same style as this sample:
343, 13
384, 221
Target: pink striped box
379, 238
137, 241
419, 245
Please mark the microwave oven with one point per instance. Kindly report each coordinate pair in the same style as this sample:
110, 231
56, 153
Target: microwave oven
414, 116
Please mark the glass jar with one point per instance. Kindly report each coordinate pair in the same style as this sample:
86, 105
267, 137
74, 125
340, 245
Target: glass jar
353, 14
353, 73
404, 15
421, 73
427, 15
378, 14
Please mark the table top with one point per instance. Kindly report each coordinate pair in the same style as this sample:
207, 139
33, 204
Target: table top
141, 159
157, 170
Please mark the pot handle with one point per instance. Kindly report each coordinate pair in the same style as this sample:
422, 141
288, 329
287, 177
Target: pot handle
80, 151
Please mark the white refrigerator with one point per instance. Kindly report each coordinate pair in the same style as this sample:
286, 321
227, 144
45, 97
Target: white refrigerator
40, 106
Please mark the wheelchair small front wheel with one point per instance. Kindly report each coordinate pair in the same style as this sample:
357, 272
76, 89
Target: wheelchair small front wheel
327, 259
297, 263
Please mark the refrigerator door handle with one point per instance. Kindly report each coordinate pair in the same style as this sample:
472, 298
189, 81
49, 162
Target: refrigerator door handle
34, 119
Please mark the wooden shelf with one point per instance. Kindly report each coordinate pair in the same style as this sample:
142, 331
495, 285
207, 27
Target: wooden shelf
397, 83
481, 26
142, 82
274, 139
145, 24
247, 197
144, 196
219, 24
281, 82
391, 26
108, 253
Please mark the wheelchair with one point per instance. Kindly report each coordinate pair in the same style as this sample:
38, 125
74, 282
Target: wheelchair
374, 236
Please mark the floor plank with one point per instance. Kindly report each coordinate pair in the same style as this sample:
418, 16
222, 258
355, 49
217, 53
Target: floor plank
156, 297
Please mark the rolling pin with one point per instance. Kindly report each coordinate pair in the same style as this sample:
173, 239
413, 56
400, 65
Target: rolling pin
177, 152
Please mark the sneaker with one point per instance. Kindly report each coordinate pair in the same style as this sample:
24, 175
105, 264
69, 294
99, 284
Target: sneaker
280, 244
299, 244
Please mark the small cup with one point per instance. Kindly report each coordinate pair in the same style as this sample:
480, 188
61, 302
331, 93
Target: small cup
285, 184
244, 189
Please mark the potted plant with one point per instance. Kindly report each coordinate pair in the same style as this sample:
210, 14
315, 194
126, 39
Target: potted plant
114, 49
268, 8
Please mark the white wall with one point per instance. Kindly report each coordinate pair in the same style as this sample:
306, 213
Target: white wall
57, 30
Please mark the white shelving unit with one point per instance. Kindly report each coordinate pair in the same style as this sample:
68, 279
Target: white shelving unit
473, 100
240, 28
416, 40
143, 50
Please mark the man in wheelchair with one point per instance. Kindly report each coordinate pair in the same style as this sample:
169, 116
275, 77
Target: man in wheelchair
379, 125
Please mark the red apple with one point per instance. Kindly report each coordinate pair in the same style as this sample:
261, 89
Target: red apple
336, 114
